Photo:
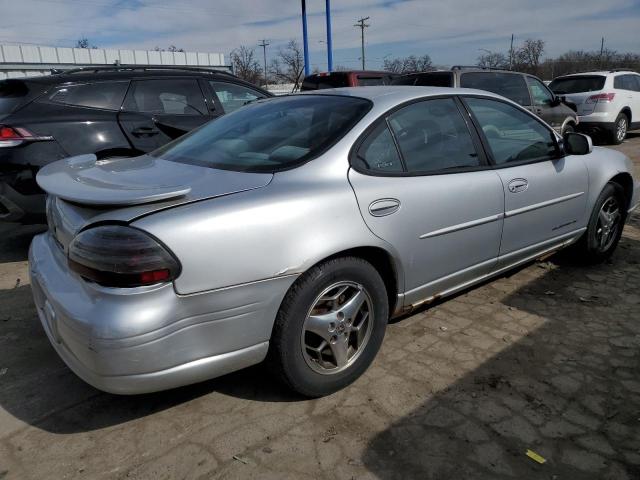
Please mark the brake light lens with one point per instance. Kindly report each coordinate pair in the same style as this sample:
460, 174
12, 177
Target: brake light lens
121, 256
13, 136
601, 97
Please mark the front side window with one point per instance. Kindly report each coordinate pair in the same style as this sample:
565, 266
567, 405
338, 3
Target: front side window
233, 96
509, 85
106, 95
433, 136
169, 97
540, 94
513, 135
269, 135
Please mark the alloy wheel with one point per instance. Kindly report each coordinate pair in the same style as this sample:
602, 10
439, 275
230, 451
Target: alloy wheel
608, 224
621, 129
337, 327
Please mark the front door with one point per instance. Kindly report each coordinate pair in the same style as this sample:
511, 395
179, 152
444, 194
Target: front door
545, 194
423, 185
160, 110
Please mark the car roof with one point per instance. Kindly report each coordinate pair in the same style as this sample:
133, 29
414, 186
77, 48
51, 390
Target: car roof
397, 93
597, 72
89, 74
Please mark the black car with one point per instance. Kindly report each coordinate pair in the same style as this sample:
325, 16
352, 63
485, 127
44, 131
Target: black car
522, 88
112, 112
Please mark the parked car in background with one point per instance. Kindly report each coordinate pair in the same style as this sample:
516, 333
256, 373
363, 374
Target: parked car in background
606, 101
526, 90
293, 228
356, 78
108, 111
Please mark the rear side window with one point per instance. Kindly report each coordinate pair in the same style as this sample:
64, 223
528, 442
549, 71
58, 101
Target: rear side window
513, 135
444, 79
577, 84
626, 82
433, 136
378, 152
508, 85
170, 97
319, 82
233, 96
370, 81
13, 93
105, 95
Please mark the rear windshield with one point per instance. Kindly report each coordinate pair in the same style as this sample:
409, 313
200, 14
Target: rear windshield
508, 85
269, 135
577, 84
318, 82
13, 93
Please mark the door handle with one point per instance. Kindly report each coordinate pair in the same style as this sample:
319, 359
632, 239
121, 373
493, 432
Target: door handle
144, 132
518, 185
384, 206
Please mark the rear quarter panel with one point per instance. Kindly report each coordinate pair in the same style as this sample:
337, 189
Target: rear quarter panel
279, 230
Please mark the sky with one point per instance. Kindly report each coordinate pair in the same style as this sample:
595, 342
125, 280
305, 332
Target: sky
450, 31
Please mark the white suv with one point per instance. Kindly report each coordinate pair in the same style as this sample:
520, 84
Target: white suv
607, 101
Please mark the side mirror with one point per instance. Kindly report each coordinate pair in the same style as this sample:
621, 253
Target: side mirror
577, 143
556, 101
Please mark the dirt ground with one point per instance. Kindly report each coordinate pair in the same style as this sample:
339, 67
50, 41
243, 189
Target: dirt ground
545, 359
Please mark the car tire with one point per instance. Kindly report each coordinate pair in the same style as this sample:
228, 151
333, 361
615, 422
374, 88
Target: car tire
569, 128
619, 132
314, 355
601, 238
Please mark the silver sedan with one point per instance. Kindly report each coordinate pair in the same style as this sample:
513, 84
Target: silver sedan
293, 229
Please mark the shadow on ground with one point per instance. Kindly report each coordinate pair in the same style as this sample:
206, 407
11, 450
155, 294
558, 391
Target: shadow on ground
568, 389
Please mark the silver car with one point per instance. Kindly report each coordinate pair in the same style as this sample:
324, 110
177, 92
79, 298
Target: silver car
293, 229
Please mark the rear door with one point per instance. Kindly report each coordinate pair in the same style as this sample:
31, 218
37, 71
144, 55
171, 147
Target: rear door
628, 86
156, 111
423, 185
544, 195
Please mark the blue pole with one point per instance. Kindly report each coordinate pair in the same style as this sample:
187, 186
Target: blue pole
305, 40
329, 44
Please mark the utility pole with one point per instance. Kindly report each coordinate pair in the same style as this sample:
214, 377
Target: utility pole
305, 39
361, 25
329, 40
264, 46
511, 54
601, 51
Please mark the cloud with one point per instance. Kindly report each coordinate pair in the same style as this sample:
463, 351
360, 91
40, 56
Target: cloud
451, 32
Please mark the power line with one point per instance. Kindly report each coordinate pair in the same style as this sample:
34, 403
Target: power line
264, 46
360, 24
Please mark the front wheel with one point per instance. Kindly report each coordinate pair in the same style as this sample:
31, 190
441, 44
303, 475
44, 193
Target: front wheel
605, 226
330, 326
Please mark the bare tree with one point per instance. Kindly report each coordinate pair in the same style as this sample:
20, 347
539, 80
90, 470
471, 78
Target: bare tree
493, 60
288, 66
172, 48
409, 64
83, 42
528, 55
245, 64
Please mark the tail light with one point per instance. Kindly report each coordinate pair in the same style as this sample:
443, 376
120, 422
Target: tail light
601, 97
121, 256
14, 136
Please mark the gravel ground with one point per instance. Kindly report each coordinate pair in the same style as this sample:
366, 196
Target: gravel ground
545, 359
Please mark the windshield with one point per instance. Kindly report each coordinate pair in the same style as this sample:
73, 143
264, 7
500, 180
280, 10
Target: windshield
577, 84
12, 94
269, 135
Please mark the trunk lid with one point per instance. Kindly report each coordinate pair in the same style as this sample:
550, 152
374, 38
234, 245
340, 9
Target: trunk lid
83, 190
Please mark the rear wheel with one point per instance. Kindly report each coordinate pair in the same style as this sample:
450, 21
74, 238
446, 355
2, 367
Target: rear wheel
605, 226
568, 128
330, 326
619, 132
